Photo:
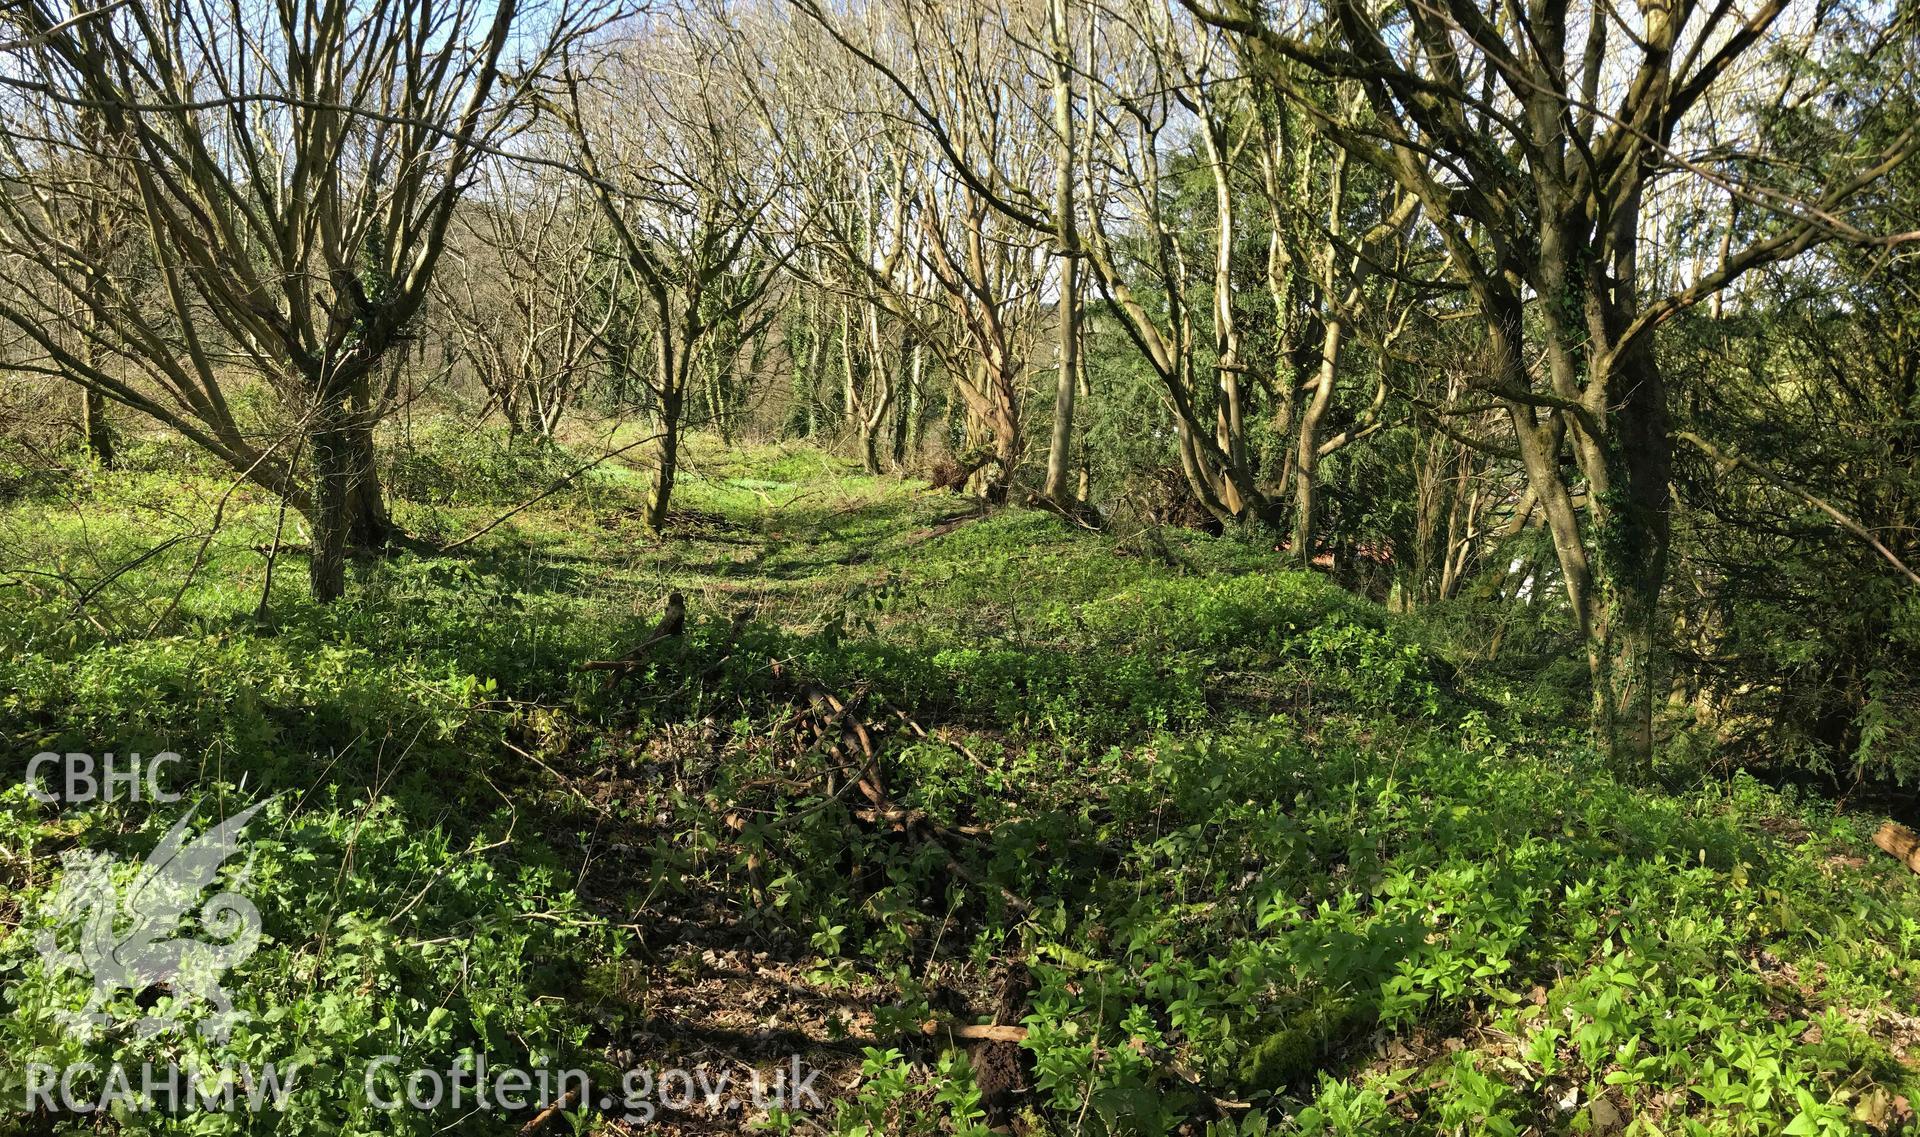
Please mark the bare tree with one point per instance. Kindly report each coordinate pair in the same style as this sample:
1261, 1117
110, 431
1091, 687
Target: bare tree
517, 294
956, 276
289, 172
669, 136
990, 273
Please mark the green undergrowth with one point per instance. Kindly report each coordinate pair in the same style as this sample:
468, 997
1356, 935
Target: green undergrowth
1254, 855
1364, 931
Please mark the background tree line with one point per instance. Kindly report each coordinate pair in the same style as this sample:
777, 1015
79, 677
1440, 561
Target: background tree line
1587, 328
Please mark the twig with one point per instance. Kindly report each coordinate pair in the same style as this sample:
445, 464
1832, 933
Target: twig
564, 781
219, 514
94, 589
273, 552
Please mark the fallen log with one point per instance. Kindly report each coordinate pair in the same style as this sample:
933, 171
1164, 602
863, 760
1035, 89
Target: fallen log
1900, 843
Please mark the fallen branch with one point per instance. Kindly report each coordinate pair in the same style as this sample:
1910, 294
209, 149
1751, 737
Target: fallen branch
835, 727
1074, 512
553, 488
959, 748
565, 782
870, 781
974, 1033
545, 1117
1007, 896
908, 818
613, 664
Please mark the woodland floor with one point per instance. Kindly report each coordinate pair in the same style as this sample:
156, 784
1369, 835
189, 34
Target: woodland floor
1217, 848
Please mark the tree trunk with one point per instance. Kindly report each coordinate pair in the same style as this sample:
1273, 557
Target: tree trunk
849, 396
916, 414
347, 510
1614, 569
1060, 445
1065, 387
876, 405
1085, 457
816, 368
369, 526
94, 428
1306, 460
905, 431
334, 469
809, 363
669, 463
1006, 461
1229, 430
1632, 532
